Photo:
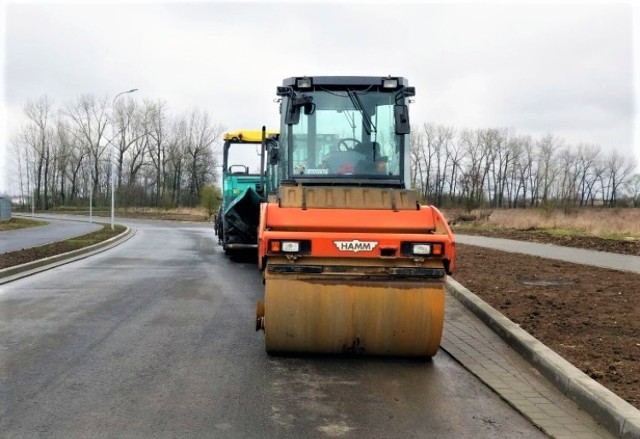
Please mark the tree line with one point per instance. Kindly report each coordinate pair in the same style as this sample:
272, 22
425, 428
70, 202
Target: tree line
63, 155
499, 168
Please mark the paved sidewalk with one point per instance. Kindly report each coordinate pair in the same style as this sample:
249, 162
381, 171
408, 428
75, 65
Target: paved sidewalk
613, 261
486, 355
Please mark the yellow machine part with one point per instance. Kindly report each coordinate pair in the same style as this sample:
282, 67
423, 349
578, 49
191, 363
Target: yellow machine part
329, 314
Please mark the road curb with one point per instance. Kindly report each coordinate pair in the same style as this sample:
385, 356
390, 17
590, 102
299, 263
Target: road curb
19, 271
618, 416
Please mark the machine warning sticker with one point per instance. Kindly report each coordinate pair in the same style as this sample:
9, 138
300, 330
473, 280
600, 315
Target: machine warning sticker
355, 246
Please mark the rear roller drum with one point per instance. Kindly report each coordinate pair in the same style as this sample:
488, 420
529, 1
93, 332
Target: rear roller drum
360, 317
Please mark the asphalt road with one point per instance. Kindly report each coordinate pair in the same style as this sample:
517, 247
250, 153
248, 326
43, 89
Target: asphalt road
576, 255
55, 230
155, 338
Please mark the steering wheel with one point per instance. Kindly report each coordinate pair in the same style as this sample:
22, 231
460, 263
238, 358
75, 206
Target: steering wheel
342, 145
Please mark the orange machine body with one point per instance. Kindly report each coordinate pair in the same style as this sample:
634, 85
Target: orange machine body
352, 285
324, 228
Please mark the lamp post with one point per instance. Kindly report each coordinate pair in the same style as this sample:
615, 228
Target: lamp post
90, 190
113, 203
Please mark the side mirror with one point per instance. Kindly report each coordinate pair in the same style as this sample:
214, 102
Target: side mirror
309, 108
293, 108
401, 113
259, 189
274, 155
293, 114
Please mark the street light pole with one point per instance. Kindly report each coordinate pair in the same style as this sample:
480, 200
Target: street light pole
113, 203
90, 190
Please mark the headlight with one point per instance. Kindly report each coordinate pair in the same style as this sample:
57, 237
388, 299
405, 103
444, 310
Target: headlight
300, 247
390, 83
290, 246
421, 249
303, 82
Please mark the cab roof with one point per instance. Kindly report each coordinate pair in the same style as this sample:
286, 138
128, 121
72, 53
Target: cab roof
247, 136
345, 81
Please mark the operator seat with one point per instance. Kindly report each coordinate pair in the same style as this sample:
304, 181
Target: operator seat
367, 150
370, 159
342, 162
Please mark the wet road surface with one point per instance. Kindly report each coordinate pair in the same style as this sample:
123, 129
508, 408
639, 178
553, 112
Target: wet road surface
155, 338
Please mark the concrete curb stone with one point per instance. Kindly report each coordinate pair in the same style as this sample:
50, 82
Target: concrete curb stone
618, 416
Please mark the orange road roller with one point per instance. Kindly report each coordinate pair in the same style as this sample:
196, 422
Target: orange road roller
352, 262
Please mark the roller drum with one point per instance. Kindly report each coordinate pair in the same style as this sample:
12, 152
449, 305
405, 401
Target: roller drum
324, 314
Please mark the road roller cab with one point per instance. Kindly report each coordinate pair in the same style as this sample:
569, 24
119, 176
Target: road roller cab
352, 262
237, 219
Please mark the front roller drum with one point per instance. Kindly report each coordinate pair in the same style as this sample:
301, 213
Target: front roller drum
389, 317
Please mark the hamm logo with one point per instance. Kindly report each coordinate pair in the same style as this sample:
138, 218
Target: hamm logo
355, 246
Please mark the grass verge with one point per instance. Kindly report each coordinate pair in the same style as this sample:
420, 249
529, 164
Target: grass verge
44, 251
617, 224
20, 223
195, 214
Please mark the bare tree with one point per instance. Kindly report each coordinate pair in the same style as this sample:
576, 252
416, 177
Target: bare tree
619, 169
548, 170
502, 153
134, 153
633, 189
176, 151
38, 137
416, 165
158, 132
512, 171
131, 125
455, 155
473, 176
568, 171
76, 157
21, 156
586, 156
90, 119
199, 152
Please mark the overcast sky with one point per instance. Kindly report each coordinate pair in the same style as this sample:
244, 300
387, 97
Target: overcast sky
546, 68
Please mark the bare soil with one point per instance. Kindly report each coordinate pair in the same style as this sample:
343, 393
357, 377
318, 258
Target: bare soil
586, 314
